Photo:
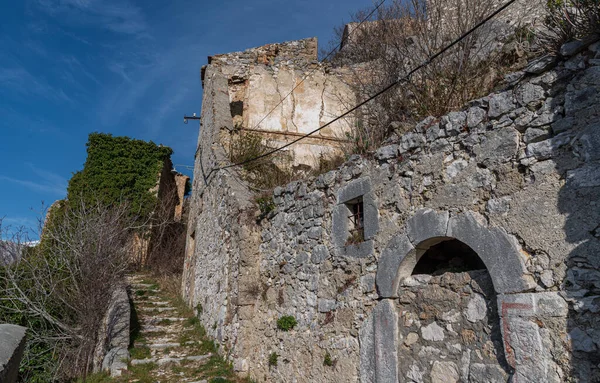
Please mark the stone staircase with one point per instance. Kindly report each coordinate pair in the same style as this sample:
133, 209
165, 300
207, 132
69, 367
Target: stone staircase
171, 345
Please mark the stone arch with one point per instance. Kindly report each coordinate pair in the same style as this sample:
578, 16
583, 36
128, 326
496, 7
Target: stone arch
499, 252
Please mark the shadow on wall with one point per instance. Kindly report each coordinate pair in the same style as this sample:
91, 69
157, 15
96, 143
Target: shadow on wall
578, 164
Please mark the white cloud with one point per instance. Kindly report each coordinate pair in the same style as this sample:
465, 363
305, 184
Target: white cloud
119, 16
45, 182
22, 81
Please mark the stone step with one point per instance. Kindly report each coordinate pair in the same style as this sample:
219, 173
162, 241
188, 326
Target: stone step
159, 309
165, 360
156, 303
140, 286
154, 320
167, 329
162, 346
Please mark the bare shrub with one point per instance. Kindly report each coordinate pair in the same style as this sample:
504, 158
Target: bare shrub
166, 249
264, 173
60, 289
405, 34
570, 20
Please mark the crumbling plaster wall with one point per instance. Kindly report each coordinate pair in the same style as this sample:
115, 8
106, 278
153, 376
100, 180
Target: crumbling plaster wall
260, 80
516, 176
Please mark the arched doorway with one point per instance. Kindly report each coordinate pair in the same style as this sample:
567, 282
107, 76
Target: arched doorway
448, 323
383, 353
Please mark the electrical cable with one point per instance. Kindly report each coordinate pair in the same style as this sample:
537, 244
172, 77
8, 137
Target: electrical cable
336, 48
379, 93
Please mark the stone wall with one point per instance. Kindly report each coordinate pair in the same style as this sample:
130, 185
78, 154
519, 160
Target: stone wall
12, 346
259, 82
111, 353
514, 176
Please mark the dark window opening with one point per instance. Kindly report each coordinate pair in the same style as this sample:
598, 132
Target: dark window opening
237, 108
356, 222
450, 256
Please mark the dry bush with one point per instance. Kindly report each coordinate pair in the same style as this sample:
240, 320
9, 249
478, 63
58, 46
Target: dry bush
570, 20
61, 289
166, 250
405, 34
267, 172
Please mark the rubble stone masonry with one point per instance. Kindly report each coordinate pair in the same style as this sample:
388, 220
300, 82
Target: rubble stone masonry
513, 178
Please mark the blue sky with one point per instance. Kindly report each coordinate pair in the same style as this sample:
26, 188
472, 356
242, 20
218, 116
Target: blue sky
126, 67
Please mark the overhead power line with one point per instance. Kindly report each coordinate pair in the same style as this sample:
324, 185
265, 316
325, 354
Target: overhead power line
374, 96
336, 48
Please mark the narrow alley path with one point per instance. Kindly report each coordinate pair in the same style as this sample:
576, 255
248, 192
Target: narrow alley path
170, 344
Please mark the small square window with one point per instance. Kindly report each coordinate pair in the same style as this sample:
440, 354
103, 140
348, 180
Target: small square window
356, 224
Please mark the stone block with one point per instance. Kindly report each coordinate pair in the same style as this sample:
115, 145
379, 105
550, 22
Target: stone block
432, 332
326, 305
587, 144
528, 93
366, 338
548, 148
581, 341
387, 278
319, 254
425, 224
367, 283
360, 250
354, 190
454, 123
387, 152
411, 141
115, 361
475, 116
541, 65
339, 230
444, 372
500, 103
498, 251
476, 309
371, 218
542, 304
12, 345
385, 323
585, 176
486, 373
497, 146
536, 134
573, 47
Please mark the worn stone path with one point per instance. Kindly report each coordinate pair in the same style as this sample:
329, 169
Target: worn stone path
169, 343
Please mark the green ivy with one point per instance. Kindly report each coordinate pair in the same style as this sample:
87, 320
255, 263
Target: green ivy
119, 169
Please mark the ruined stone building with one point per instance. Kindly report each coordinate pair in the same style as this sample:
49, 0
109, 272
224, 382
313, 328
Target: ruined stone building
479, 245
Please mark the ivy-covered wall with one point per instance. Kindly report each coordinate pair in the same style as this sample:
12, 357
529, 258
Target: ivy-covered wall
120, 169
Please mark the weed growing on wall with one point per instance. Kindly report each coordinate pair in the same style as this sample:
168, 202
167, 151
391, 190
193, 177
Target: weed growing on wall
327, 361
286, 323
273, 359
265, 204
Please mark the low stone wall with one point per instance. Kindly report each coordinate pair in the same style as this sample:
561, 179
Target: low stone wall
111, 352
515, 177
12, 345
